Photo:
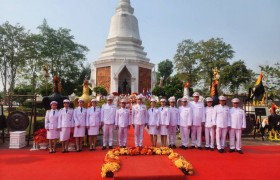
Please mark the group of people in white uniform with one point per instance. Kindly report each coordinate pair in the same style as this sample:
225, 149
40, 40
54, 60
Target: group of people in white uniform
189, 118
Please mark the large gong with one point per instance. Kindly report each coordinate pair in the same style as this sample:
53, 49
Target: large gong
18, 121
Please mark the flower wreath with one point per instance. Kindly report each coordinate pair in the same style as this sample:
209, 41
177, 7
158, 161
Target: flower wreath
112, 162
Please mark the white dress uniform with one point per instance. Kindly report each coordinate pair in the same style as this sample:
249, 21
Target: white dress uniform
221, 118
108, 115
164, 120
93, 120
174, 119
238, 121
185, 121
139, 119
51, 124
80, 115
209, 129
65, 122
122, 121
153, 121
198, 118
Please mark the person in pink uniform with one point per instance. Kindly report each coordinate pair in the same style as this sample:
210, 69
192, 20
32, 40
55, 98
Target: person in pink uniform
153, 122
174, 118
164, 120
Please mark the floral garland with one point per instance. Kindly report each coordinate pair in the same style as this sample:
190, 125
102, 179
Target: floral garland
112, 162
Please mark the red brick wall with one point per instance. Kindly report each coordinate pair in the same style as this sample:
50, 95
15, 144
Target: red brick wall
103, 78
144, 79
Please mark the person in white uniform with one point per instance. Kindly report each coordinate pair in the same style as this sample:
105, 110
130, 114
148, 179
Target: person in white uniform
164, 120
80, 115
153, 122
221, 120
209, 129
185, 122
51, 125
108, 115
238, 123
198, 121
139, 120
123, 123
174, 119
93, 124
65, 123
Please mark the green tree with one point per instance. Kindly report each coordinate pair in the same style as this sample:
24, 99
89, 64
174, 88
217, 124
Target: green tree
236, 75
63, 56
186, 59
165, 69
11, 53
174, 87
271, 80
213, 53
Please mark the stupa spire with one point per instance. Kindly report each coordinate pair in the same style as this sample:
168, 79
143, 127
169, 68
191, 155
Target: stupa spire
124, 6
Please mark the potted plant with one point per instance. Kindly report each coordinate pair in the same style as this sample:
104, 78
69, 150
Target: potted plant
40, 138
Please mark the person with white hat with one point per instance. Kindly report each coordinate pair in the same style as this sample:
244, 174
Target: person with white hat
139, 120
122, 123
198, 120
108, 115
65, 123
51, 125
209, 129
164, 120
80, 115
221, 120
93, 124
238, 122
174, 119
153, 122
185, 121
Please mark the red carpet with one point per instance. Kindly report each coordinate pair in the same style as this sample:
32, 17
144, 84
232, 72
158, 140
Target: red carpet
258, 162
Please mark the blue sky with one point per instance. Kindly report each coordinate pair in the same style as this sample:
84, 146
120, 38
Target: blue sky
252, 27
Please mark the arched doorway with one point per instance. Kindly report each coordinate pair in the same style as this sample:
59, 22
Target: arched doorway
124, 81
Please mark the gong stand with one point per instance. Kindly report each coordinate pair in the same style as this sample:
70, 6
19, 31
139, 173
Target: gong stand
17, 119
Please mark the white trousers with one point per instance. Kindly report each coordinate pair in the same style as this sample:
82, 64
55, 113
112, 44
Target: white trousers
139, 134
108, 130
196, 136
172, 135
185, 135
122, 136
221, 134
235, 134
209, 137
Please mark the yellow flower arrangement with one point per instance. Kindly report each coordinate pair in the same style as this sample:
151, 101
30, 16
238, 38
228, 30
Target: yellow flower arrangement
112, 162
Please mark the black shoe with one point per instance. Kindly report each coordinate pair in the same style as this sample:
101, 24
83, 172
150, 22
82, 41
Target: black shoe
223, 151
240, 151
124, 146
90, 149
104, 147
170, 146
183, 147
192, 147
199, 148
63, 151
231, 150
110, 147
212, 149
220, 151
207, 148
174, 147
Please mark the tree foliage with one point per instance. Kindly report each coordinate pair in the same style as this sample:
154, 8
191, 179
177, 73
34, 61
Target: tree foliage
165, 69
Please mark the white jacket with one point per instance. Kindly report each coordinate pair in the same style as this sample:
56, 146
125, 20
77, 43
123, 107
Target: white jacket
139, 114
93, 117
80, 117
123, 117
51, 119
185, 116
221, 116
174, 116
108, 114
238, 119
208, 117
153, 117
198, 113
164, 116
66, 118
